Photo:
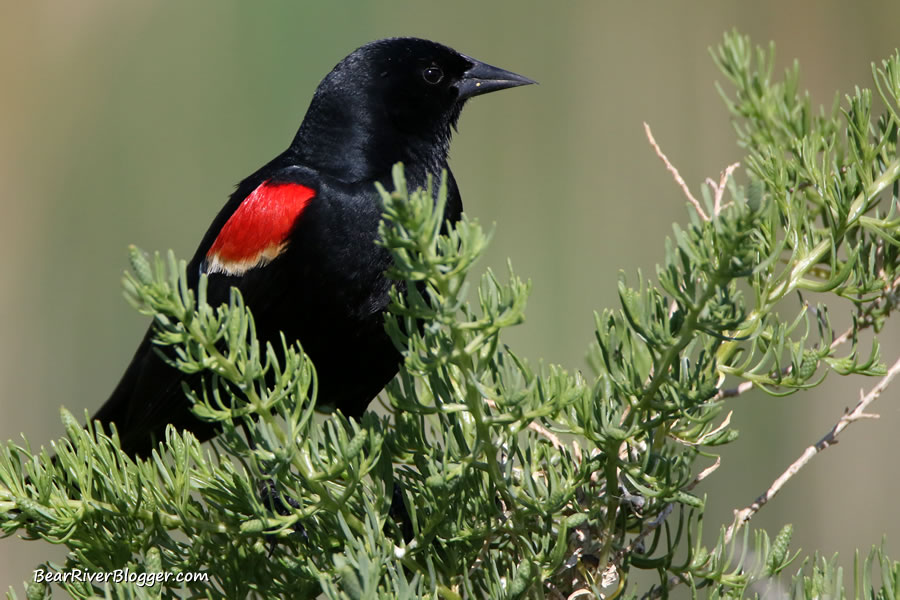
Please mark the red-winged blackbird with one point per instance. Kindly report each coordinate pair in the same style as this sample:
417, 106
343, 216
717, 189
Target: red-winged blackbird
297, 236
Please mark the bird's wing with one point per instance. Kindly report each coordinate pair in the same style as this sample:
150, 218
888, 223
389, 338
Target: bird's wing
258, 230
251, 230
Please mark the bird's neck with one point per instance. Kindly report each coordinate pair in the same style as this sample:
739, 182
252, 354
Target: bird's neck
356, 144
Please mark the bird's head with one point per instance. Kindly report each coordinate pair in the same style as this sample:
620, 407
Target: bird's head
394, 99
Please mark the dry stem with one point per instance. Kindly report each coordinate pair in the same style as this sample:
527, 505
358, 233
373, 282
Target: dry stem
745, 514
678, 178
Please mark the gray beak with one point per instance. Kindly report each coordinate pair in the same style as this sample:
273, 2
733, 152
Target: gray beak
482, 78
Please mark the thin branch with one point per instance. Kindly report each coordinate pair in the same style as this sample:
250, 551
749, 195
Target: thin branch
704, 474
743, 388
663, 515
537, 428
746, 386
651, 526
678, 179
744, 515
848, 333
657, 591
719, 188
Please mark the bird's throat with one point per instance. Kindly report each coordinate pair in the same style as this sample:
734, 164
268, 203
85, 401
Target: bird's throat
355, 145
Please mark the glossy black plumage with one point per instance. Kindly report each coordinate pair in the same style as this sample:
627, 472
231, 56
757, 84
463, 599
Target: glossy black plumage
389, 101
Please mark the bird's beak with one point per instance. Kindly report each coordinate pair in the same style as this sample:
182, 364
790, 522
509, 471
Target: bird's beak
482, 78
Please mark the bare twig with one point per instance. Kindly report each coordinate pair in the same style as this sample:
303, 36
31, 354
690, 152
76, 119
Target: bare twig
537, 428
848, 333
704, 474
551, 437
652, 525
745, 514
743, 388
719, 188
678, 179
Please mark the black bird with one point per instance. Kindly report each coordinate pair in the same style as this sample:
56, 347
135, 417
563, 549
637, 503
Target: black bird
297, 236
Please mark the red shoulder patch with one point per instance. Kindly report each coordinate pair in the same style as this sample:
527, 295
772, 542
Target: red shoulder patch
257, 232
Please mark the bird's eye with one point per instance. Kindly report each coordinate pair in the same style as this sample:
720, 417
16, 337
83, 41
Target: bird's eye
433, 75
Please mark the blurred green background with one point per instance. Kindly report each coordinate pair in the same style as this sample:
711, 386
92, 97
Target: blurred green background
131, 122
